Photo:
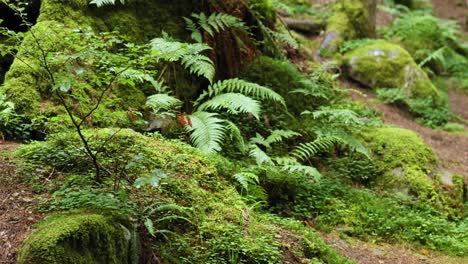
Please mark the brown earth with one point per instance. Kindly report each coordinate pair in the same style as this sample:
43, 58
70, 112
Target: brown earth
451, 148
17, 213
452, 9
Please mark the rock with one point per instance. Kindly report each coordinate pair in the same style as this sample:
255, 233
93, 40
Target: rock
79, 237
380, 64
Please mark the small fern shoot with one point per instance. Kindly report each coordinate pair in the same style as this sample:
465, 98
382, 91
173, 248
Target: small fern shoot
215, 23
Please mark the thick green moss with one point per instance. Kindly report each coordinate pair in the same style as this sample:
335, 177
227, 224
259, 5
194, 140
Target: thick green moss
404, 162
77, 238
380, 64
135, 21
350, 19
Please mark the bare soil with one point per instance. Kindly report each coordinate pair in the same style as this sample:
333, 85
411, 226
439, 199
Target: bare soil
368, 253
17, 213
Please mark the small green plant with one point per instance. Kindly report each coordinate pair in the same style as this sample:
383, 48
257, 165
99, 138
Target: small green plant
212, 24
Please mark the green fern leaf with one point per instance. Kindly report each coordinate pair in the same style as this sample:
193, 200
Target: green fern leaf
243, 87
307, 150
100, 3
163, 102
307, 170
260, 156
245, 179
234, 103
207, 131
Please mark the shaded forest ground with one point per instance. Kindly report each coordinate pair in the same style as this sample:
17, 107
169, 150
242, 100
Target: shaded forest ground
16, 206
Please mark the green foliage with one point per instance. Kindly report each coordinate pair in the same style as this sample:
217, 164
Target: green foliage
212, 24
100, 3
331, 203
207, 131
79, 237
454, 127
189, 55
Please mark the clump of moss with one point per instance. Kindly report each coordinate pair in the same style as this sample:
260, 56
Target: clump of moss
351, 19
78, 238
403, 159
381, 64
407, 165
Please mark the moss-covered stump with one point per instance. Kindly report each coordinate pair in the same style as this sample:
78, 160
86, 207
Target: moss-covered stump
381, 64
79, 237
351, 19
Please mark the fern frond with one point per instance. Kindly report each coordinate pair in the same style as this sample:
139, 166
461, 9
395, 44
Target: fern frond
245, 179
207, 131
215, 23
236, 135
343, 116
307, 170
100, 3
199, 65
260, 156
438, 55
163, 102
234, 103
307, 150
188, 54
278, 135
243, 87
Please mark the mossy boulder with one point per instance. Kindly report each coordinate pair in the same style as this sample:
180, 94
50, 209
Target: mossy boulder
380, 64
79, 237
350, 19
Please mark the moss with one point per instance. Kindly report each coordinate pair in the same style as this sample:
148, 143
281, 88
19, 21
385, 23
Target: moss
402, 159
382, 64
350, 19
266, 10
221, 224
417, 34
77, 238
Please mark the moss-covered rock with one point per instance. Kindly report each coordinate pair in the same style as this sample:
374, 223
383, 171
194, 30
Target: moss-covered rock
405, 163
350, 19
380, 64
78, 238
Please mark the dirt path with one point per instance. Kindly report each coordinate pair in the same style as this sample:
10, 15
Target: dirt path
368, 253
17, 214
452, 9
451, 148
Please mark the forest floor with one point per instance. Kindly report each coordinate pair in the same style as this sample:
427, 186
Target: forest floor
17, 207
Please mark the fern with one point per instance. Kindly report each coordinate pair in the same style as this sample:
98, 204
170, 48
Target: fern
307, 150
215, 23
207, 131
162, 102
245, 179
188, 54
260, 156
276, 136
438, 55
234, 103
342, 116
100, 3
236, 136
243, 87
307, 170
